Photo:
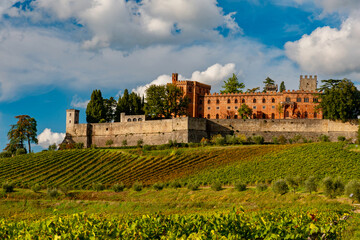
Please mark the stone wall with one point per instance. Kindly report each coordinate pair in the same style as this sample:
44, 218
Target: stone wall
187, 130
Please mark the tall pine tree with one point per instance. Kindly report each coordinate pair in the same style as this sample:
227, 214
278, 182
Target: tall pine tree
95, 110
282, 86
232, 85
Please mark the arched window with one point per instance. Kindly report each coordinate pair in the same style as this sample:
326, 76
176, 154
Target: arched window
217, 101
209, 101
228, 117
217, 116
306, 115
208, 116
273, 100
228, 101
129, 120
236, 116
287, 114
243, 101
273, 116
264, 116
254, 116
264, 101
140, 119
254, 100
315, 115
134, 120
236, 101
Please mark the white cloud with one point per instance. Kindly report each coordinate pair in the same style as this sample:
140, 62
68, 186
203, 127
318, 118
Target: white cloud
47, 138
130, 24
329, 50
77, 102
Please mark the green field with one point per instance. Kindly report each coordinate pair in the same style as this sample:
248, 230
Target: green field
178, 213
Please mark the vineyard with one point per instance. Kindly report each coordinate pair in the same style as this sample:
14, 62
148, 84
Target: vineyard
274, 224
80, 168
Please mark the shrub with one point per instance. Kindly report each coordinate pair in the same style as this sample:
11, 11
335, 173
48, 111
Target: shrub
352, 189
258, 139
158, 186
137, 186
140, 142
52, 147
8, 187
282, 139
147, 147
118, 187
296, 138
280, 187
79, 145
231, 139
292, 183
333, 187
109, 142
241, 138
275, 140
311, 185
98, 187
216, 186
124, 143
20, 151
218, 140
261, 187
341, 139
240, 186
53, 192
5, 154
175, 184
324, 138
204, 142
193, 186
36, 188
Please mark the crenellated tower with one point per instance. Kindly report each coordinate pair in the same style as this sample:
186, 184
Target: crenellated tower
308, 83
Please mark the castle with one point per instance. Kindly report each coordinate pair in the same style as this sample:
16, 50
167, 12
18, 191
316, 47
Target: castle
269, 105
288, 113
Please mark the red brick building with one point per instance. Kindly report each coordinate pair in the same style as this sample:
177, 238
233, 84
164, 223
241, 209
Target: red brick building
269, 105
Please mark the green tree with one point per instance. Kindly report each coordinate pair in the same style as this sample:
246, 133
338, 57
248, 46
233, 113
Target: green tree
232, 85
340, 100
24, 130
282, 86
110, 107
245, 111
252, 90
268, 82
136, 104
95, 110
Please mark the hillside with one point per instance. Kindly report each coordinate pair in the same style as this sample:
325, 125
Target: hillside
81, 168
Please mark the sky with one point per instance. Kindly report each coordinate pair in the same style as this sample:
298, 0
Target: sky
54, 53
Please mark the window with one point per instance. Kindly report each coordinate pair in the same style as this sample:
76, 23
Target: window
273, 116
227, 117
287, 99
208, 116
129, 120
209, 101
315, 100
200, 101
69, 114
134, 120
254, 107
254, 100
228, 101
264, 101
273, 107
306, 99
315, 115
217, 108
228, 108
217, 116
298, 99
264, 116
243, 101
236, 107
306, 115
69, 121
209, 108
200, 116
217, 101
140, 119
254, 116
273, 100
236, 101
287, 114
236, 116
264, 107
190, 89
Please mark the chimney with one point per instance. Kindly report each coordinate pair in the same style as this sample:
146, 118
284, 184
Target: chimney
174, 78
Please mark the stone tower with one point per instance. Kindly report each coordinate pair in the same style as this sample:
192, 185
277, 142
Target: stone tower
72, 117
308, 83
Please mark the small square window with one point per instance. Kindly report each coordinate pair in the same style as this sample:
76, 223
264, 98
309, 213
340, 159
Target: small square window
217, 108
273, 107
236, 107
209, 108
254, 107
264, 107
228, 108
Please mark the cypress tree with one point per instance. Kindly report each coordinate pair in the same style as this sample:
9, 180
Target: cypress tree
282, 86
95, 110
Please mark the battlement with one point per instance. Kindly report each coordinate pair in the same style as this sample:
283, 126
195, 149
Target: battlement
308, 83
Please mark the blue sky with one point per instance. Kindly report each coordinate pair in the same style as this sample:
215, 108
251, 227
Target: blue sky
53, 53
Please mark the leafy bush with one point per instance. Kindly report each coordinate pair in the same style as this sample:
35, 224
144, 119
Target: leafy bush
231, 139
352, 189
341, 138
53, 192
275, 140
79, 145
124, 143
140, 142
8, 187
118, 187
204, 142
137, 186
296, 138
216, 186
20, 151
158, 186
98, 187
258, 139
261, 187
282, 139
36, 187
280, 187
218, 140
193, 186
311, 185
324, 138
240, 186
333, 187
292, 183
175, 184
5, 154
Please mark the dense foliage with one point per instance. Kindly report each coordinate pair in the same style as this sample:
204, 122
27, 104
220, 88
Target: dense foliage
95, 110
232, 85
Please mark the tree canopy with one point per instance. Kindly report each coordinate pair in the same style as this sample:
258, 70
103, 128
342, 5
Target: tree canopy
95, 110
24, 130
282, 86
232, 85
165, 101
252, 90
130, 104
339, 100
245, 111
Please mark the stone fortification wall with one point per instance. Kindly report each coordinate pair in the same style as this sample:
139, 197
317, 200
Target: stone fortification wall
151, 132
309, 128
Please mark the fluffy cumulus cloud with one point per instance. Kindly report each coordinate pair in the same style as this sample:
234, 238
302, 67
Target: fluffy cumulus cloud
77, 102
47, 138
130, 24
329, 50
212, 75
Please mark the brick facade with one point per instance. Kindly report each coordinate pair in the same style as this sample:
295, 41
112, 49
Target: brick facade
270, 105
